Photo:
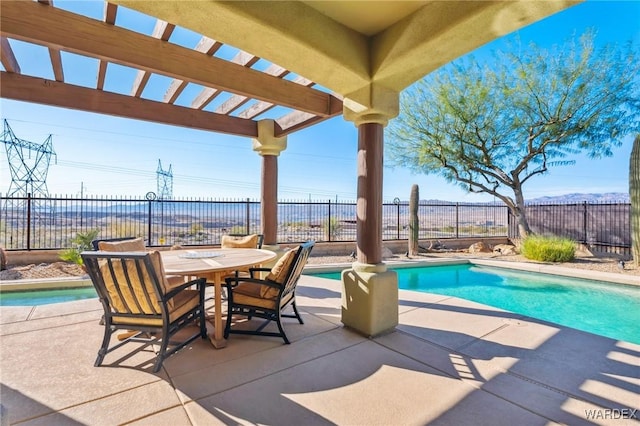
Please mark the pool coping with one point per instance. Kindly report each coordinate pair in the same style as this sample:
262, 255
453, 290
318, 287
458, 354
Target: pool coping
549, 269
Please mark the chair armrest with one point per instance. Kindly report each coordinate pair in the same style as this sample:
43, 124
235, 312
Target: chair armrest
200, 282
234, 281
252, 270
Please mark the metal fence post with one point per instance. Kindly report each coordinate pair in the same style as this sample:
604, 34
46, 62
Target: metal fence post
398, 218
29, 221
149, 223
584, 221
329, 223
248, 217
457, 220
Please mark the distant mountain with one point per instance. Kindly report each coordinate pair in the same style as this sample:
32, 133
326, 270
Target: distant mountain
608, 197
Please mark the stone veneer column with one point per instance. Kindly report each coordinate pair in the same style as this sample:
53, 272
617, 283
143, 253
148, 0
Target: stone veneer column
370, 291
269, 147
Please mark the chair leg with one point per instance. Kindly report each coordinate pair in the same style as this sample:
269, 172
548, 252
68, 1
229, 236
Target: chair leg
203, 324
295, 310
227, 327
162, 353
105, 346
279, 323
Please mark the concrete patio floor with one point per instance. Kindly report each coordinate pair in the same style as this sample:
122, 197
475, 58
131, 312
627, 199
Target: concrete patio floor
449, 361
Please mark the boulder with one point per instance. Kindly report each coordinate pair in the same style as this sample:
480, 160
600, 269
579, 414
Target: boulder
505, 249
479, 247
386, 253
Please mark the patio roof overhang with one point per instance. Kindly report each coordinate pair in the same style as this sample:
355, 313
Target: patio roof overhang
342, 50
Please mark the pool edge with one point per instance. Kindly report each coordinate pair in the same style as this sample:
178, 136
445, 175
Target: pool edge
44, 284
548, 269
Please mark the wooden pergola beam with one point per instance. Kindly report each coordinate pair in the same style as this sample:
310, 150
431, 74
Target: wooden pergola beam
49, 26
7, 57
49, 92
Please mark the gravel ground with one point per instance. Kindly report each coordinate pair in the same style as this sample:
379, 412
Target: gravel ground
62, 269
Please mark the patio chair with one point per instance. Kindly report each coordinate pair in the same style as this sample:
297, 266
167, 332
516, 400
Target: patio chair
267, 298
240, 241
119, 244
135, 295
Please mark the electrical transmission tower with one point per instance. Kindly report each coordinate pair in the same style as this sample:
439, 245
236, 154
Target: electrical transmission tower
165, 182
28, 164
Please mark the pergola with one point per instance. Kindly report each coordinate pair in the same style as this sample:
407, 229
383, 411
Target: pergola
326, 58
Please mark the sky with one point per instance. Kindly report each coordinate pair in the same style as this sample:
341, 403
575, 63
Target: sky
100, 155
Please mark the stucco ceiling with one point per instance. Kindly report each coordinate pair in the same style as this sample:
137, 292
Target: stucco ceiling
368, 19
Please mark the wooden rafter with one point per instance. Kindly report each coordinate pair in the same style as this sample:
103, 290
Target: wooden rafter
206, 46
110, 12
54, 54
50, 27
236, 101
262, 106
7, 57
294, 121
56, 64
162, 31
208, 94
38, 90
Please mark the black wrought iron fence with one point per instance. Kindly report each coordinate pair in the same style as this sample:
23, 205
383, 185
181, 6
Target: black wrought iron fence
33, 223
604, 227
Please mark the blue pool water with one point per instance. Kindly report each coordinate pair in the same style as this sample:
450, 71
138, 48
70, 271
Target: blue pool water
597, 307
45, 297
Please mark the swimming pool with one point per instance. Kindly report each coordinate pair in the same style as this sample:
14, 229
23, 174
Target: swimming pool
598, 307
45, 297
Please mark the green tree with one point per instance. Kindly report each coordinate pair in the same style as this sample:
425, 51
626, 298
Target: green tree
491, 127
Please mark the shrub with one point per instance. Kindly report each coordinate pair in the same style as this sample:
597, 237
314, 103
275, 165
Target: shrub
548, 248
332, 228
82, 242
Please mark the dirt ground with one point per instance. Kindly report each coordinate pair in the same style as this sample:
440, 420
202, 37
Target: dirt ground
582, 261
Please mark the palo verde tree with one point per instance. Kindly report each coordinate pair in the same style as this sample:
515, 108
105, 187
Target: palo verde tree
491, 127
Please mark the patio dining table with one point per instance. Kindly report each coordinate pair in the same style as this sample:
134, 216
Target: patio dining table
214, 265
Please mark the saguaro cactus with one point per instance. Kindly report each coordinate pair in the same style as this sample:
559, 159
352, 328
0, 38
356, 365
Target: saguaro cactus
414, 225
634, 192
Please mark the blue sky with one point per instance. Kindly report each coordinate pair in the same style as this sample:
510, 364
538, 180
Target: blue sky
104, 155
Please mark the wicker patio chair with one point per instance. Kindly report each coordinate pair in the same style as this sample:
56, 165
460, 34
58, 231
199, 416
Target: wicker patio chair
135, 295
267, 298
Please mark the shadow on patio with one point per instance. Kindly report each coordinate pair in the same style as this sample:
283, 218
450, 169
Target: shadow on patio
449, 361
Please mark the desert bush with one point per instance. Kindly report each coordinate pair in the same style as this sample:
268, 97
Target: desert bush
126, 228
332, 228
548, 248
82, 242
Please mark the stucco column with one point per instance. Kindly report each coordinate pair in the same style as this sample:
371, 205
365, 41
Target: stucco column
369, 203
370, 291
269, 147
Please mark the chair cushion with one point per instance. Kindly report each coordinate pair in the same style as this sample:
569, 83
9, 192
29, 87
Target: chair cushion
278, 274
250, 295
248, 241
279, 271
136, 244
183, 302
122, 297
